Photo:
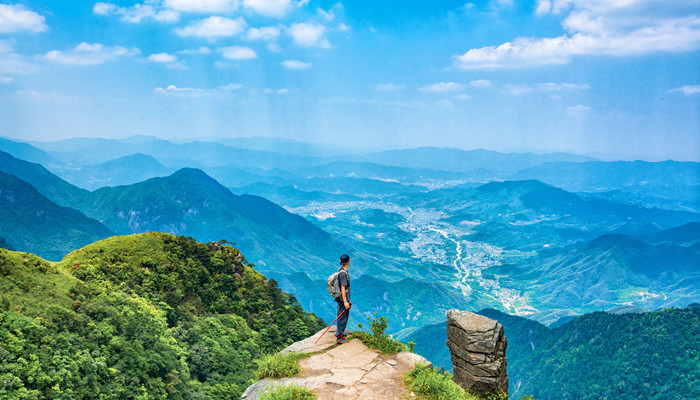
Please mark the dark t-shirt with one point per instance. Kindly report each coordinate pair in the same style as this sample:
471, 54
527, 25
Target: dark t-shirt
344, 280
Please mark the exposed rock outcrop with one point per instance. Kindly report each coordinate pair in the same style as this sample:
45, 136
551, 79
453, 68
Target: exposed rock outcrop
478, 348
348, 371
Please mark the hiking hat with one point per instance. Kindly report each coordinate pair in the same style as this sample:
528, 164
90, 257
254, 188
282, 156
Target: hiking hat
344, 259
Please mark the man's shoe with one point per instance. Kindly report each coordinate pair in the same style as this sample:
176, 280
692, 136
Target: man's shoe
341, 340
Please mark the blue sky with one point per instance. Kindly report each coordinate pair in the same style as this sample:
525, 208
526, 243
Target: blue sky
614, 79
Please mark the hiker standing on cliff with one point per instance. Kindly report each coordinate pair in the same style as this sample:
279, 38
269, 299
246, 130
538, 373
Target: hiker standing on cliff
344, 299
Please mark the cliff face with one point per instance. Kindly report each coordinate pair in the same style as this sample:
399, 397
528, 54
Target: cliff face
349, 371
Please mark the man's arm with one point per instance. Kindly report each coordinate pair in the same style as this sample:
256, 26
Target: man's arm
345, 297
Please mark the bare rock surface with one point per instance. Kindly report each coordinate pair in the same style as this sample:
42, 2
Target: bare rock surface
478, 348
348, 371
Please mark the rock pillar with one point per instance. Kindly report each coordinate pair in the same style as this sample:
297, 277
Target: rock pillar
478, 348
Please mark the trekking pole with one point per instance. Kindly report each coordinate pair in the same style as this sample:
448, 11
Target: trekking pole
329, 327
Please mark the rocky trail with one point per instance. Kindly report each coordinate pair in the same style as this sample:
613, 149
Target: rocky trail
348, 371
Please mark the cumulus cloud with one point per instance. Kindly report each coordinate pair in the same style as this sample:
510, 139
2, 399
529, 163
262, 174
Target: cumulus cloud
137, 13
201, 50
203, 6
17, 18
266, 33
308, 34
597, 27
173, 90
389, 87
272, 8
441, 87
89, 54
162, 58
480, 83
213, 27
238, 53
296, 64
578, 111
687, 89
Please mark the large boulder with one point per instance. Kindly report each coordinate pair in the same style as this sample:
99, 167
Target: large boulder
478, 348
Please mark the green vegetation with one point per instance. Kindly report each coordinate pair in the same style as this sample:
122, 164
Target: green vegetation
290, 392
278, 365
380, 340
150, 316
649, 356
433, 384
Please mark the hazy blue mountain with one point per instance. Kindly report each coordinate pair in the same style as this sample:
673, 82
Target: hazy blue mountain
191, 203
26, 151
355, 169
669, 184
447, 159
5, 245
290, 196
48, 184
357, 186
120, 171
684, 235
610, 270
33, 223
279, 145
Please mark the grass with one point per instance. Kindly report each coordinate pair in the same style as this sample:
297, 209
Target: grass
431, 384
279, 365
290, 392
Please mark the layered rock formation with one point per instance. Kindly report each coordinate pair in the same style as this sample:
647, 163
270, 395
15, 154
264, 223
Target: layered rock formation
478, 348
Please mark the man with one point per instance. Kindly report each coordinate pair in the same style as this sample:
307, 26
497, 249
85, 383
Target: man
344, 299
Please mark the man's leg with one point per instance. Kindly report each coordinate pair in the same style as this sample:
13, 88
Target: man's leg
342, 321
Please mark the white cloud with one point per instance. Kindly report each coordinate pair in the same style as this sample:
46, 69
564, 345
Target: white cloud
266, 33
687, 89
597, 27
480, 83
238, 53
283, 91
89, 54
137, 13
296, 64
202, 50
441, 87
13, 63
17, 18
4, 80
203, 6
549, 87
578, 111
389, 87
231, 86
270, 8
308, 34
172, 89
162, 58
213, 27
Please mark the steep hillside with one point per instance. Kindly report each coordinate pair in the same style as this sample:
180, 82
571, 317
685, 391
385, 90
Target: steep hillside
190, 202
48, 184
33, 223
26, 151
150, 316
652, 355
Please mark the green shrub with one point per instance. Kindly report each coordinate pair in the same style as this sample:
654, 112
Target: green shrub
380, 340
279, 365
290, 392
